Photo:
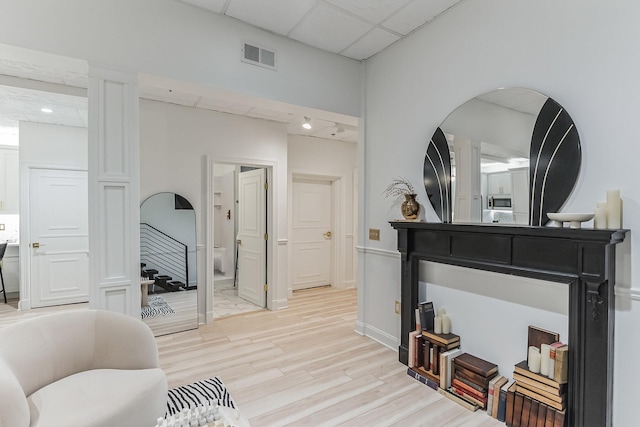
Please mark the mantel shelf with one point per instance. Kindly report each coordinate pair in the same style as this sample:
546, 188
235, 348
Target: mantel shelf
584, 259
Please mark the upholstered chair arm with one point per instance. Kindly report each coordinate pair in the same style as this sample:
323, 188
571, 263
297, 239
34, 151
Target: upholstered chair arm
14, 409
123, 342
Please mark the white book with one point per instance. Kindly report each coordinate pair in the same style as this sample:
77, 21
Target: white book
446, 360
491, 399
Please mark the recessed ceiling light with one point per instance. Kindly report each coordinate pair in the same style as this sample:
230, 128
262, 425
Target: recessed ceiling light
46, 110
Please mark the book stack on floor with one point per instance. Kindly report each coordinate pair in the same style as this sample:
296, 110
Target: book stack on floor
431, 353
472, 377
430, 357
537, 397
540, 394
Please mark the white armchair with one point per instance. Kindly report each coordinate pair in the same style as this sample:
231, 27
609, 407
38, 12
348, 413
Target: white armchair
80, 368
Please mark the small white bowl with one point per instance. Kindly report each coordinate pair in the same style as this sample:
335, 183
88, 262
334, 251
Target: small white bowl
573, 218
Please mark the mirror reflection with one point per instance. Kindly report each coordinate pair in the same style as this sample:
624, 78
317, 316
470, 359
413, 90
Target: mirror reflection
168, 264
509, 149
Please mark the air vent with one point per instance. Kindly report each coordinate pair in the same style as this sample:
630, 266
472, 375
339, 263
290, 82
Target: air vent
258, 55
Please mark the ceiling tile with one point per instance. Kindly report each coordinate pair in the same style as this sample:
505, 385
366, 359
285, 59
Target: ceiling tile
327, 28
216, 6
280, 16
372, 42
371, 10
416, 14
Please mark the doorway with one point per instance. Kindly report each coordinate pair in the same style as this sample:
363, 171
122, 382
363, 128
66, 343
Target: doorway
58, 227
311, 233
240, 198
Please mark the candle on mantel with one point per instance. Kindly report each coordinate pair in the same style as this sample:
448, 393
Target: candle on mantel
600, 218
441, 311
446, 324
437, 325
614, 210
534, 363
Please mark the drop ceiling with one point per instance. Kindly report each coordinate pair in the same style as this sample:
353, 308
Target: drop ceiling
356, 29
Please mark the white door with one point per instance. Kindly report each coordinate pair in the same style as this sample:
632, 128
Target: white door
311, 234
252, 229
58, 227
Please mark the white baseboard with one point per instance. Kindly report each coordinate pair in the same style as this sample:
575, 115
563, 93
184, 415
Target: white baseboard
279, 304
377, 335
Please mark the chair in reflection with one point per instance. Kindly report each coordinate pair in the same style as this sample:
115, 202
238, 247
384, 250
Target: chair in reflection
3, 248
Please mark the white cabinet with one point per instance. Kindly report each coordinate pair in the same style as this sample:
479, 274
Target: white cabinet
520, 194
499, 183
9, 181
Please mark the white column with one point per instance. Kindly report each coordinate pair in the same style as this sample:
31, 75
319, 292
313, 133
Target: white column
114, 194
467, 204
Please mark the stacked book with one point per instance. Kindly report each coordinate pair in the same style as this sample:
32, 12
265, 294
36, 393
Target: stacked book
471, 378
430, 357
537, 397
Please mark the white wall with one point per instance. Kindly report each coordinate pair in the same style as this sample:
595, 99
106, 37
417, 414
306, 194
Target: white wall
176, 40
336, 161
64, 146
173, 141
585, 57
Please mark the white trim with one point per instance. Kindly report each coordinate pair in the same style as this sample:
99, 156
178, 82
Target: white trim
377, 335
633, 293
280, 304
379, 252
283, 242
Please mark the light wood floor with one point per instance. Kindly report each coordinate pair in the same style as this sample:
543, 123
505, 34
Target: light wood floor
185, 306
305, 366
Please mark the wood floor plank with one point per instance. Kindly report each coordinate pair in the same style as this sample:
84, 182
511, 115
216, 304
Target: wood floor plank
303, 365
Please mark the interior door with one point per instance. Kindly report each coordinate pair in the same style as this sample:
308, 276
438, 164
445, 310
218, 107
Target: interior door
58, 227
252, 229
311, 234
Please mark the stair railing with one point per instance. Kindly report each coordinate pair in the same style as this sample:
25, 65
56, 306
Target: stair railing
164, 253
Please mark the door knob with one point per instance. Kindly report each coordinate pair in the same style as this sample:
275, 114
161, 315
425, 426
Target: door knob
327, 234
36, 245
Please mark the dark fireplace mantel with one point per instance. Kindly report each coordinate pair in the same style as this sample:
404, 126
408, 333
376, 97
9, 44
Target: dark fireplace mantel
584, 259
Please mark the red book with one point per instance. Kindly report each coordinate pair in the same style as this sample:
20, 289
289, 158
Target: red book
462, 386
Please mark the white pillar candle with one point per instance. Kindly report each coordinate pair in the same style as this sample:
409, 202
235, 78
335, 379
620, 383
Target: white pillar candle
534, 363
437, 325
614, 210
600, 218
544, 359
441, 311
446, 324
532, 349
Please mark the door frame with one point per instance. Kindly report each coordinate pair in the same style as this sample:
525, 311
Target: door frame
337, 216
275, 298
25, 230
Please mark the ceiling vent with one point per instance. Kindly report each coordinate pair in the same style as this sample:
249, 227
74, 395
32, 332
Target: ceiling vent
258, 55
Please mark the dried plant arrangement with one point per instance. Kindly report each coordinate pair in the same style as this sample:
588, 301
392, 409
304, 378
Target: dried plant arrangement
399, 188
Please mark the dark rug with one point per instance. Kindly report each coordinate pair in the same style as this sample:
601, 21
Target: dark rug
199, 393
158, 306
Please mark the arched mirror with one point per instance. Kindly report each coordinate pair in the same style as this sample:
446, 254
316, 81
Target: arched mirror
168, 264
508, 156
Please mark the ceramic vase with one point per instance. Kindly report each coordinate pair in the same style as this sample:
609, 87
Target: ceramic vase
410, 207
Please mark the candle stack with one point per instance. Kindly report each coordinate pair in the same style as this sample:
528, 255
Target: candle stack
609, 214
442, 322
